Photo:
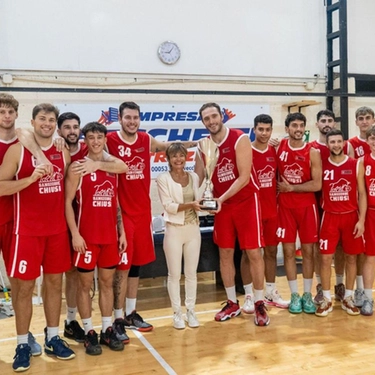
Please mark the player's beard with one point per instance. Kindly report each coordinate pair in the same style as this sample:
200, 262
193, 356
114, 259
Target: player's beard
333, 153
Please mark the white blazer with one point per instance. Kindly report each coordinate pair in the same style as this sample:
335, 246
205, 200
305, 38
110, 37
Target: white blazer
170, 194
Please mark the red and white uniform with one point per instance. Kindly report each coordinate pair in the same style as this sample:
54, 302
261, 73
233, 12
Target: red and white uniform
80, 153
265, 166
134, 197
369, 166
6, 208
360, 146
297, 212
40, 229
340, 205
324, 150
96, 199
240, 214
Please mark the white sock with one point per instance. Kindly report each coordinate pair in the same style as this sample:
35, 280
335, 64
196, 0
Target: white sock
307, 285
87, 325
231, 293
348, 293
318, 279
368, 293
359, 281
22, 339
249, 289
327, 294
130, 305
258, 295
106, 322
339, 279
52, 332
119, 313
71, 314
270, 287
293, 286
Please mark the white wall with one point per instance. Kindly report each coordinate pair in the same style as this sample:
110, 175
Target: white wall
216, 37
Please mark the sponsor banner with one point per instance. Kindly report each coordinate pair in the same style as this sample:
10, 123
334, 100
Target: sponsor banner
168, 122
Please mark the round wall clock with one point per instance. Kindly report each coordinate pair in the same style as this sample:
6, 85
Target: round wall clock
169, 52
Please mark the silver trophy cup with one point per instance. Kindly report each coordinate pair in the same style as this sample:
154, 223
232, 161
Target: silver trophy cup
209, 154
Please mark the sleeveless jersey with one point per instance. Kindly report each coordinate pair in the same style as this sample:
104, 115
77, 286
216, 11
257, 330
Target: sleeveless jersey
6, 201
294, 165
324, 151
134, 186
360, 147
369, 166
96, 199
265, 166
226, 171
39, 210
80, 153
339, 189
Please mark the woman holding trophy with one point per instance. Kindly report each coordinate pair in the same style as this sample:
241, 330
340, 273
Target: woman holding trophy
178, 192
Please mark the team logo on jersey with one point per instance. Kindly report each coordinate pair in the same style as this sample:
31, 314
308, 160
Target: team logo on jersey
51, 183
293, 173
103, 194
136, 167
371, 188
339, 191
266, 176
225, 170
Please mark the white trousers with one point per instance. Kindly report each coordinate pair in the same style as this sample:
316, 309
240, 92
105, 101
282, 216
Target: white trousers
181, 241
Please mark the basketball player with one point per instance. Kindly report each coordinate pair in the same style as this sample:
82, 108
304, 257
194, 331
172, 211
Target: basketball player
238, 210
344, 204
97, 238
39, 225
300, 176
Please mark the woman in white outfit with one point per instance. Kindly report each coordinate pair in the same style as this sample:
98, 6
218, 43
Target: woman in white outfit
178, 192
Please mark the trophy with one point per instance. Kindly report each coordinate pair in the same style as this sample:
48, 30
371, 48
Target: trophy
209, 154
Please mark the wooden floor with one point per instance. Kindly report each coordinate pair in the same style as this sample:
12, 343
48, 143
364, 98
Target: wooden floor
291, 344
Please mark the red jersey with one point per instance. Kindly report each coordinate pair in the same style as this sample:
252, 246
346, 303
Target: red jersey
80, 153
226, 171
324, 151
96, 199
339, 189
6, 201
39, 209
369, 166
295, 166
134, 186
265, 166
360, 147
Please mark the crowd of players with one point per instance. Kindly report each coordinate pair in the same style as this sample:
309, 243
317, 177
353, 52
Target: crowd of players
71, 209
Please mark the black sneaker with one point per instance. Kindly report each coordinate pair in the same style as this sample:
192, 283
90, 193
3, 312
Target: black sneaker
92, 344
74, 331
135, 321
110, 339
119, 328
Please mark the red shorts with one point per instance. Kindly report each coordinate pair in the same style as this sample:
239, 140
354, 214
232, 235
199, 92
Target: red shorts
303, 220
339, 226
140, 239
242, 221
6, 234
29, 253
269, 231
370, 232
103, 256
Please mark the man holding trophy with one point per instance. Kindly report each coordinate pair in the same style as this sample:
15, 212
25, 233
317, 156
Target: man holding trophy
236, 209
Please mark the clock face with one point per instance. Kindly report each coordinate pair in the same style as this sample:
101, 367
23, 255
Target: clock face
169, 52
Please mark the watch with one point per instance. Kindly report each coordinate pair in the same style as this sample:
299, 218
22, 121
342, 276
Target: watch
169, 52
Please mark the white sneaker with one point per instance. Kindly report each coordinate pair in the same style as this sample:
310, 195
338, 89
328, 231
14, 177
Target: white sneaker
191, 319
178, 322
274, 299
248, 305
